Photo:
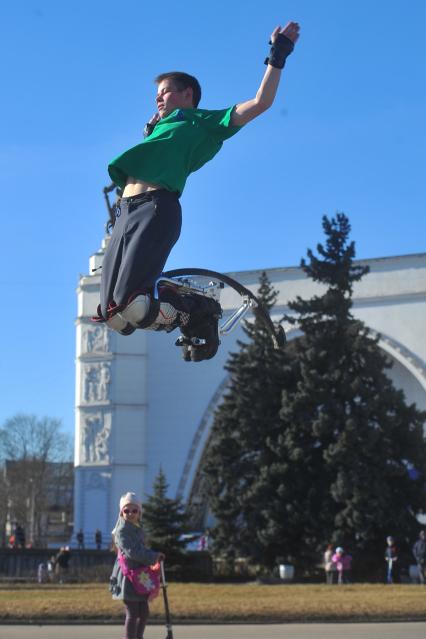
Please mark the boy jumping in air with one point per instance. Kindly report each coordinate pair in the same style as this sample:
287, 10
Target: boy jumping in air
179, 139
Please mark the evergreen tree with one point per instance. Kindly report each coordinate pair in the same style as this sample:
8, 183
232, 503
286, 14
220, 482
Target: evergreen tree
315, 444
238, 452
347, 438
165, 521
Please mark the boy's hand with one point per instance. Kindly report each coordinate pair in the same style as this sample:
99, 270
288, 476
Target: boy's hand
291, 31
282, 40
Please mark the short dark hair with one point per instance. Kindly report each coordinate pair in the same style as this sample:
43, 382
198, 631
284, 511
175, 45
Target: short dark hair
182, 81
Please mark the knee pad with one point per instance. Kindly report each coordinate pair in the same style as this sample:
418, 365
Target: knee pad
119, 324
137, 310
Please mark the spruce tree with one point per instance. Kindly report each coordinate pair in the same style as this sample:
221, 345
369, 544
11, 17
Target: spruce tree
238, 452
315, 445
165, 521
347, 437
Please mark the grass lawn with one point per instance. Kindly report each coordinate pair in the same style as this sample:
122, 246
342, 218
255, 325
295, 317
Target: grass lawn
218, 602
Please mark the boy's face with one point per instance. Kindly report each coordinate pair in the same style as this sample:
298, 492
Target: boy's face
169, 98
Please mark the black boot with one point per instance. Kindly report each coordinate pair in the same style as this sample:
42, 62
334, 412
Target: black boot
200, 335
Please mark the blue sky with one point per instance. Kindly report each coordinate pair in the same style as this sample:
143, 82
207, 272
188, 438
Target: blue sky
346, 133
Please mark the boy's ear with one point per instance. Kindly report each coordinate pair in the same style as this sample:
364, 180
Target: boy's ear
189, 93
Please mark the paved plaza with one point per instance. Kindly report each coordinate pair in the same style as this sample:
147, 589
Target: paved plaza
282, 631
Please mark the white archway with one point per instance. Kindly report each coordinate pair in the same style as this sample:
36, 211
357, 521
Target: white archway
192, 484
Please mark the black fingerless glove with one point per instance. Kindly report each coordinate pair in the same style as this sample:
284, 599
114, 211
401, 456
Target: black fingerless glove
280, 49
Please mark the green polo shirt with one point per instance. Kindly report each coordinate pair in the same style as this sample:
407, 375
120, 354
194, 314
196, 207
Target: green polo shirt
179, 145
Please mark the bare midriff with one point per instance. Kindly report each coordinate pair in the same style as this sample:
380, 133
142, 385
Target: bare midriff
136, 187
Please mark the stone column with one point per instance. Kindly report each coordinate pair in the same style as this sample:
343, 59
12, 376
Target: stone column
111, 413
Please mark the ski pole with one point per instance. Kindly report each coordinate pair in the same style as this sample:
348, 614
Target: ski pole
166, 602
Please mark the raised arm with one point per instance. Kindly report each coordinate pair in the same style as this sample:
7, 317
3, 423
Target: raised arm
283, 40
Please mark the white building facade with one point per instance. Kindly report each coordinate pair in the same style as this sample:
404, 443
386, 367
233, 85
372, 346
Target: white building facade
140, 407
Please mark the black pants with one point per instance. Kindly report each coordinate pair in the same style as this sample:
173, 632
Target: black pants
136, 617
147, 227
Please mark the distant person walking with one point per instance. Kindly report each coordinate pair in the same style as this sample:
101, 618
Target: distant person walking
203, 543
62, 561
42, 575
98, 539
329, 565
343, 563
80, 539
419, 552
391, 558
51, 568
130, 580
19, 536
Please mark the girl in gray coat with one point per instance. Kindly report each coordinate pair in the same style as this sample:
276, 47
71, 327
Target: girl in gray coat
129, 540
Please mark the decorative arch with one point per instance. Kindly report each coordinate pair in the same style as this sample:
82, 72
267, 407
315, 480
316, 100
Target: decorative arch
200, 437
202, 432
196, 488
403, 355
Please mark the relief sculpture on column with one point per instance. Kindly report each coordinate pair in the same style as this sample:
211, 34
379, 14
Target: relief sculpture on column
95, 433
96, 381
95, 339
